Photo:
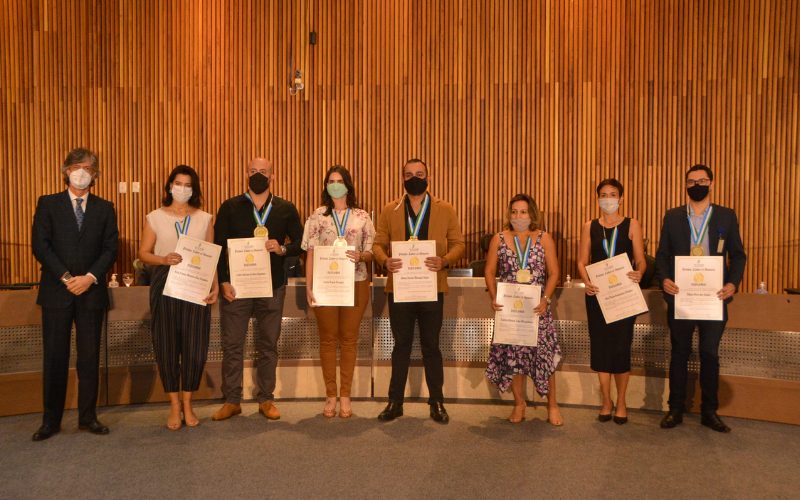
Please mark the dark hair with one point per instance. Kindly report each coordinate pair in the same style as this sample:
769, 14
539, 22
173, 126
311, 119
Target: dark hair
533, 210
80, 155
611, 182
196, 200
327, 201
414, 160
700, 167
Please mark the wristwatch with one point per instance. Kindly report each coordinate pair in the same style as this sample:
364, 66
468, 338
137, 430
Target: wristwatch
66, 278
225, 283
545, 297
283, 249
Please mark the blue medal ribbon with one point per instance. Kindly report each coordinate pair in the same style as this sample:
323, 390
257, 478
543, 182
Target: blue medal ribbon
699, 236
261, 221
414, 226
610, 248
340, 227
183, 229
523, 257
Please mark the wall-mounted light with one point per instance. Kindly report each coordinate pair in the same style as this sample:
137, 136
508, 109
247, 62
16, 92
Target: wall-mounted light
298, 83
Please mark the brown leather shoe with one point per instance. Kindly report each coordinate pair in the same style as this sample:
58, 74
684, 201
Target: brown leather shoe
227, 411
267, 408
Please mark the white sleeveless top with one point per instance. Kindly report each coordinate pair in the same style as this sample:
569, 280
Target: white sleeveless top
163, 224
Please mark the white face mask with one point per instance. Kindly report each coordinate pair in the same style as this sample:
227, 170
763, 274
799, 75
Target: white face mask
181, 194
80, 179
609, 205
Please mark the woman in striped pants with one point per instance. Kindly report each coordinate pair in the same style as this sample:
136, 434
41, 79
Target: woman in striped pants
180, 329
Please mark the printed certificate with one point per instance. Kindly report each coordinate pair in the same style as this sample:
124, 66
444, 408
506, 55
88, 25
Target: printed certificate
414, 282
191, 280
698, 279
619, 297
250, 268
516, 323
334, 277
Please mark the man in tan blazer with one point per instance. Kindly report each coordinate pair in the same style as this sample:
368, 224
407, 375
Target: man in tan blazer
419, 214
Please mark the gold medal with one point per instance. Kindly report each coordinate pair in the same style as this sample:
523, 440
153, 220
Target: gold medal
697, 251
340, 242
523, 276
413, 238
261, 232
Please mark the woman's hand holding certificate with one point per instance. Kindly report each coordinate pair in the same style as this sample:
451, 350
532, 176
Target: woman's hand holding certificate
515, 319
191, 279
619, 296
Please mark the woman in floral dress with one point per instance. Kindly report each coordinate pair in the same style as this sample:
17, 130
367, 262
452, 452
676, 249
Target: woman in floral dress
509, 364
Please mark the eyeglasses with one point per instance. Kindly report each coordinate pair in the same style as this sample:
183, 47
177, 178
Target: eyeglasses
75, 168
699, 182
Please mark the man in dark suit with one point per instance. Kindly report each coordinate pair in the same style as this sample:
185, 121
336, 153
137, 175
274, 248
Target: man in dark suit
75, 239
698, 228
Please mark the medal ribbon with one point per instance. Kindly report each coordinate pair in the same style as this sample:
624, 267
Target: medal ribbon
414, 227
340, 227
260, 220
699, 236
523, 258
610, 247
183, 229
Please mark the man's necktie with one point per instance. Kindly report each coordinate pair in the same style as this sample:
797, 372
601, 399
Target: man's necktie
79, 212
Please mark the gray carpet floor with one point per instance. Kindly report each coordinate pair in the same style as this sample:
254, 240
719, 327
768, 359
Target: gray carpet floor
478, 455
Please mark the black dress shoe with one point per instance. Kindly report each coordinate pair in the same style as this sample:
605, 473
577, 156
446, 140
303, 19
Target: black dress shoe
391, 412
604, 418
439, 414
620, 420
95, 428
713, 421
672, 419
46, 431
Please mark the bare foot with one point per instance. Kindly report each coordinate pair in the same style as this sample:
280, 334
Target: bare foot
189, 416
174, 420
518, 414
330, 407
554, 415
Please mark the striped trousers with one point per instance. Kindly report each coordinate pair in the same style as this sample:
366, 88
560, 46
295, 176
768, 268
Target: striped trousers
180, 332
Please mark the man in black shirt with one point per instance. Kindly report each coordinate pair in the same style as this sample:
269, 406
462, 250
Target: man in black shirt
256, 213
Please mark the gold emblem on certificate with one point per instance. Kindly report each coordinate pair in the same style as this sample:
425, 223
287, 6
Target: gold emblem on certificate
518, 305
699, 278
334, 266
261, 232
249, 258
613, 280
340, 242
414, 261
523, 276
697, 251
196, 260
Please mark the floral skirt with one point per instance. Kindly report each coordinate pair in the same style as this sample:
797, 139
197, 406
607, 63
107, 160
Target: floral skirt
538, 362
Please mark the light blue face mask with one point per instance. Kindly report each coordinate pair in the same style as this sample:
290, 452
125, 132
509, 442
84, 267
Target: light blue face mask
336, 190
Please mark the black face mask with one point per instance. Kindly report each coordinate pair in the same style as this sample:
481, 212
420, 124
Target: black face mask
259, 183
416, 186
698, 192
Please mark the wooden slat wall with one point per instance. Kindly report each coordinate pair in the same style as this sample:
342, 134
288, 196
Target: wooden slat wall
498, 96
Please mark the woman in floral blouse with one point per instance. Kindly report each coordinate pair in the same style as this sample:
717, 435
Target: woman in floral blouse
509, 364
339, 218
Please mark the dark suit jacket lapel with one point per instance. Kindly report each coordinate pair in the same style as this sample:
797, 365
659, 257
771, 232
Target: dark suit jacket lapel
89, 213
68, 210
713, 231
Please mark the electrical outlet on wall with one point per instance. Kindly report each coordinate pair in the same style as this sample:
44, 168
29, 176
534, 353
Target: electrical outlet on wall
134, 187
123, 187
